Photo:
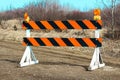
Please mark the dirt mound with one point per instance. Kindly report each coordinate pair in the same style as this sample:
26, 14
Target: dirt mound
9, 24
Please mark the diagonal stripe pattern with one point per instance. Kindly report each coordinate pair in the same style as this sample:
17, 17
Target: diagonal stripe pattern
69, 24
77, 42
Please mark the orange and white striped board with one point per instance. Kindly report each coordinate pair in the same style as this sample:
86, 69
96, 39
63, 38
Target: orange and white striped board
77, 42
69, 24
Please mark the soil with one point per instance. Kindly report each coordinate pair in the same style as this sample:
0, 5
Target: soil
54, 64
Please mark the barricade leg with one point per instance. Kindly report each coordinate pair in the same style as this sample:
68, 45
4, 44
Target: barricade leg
96, 61
28, 57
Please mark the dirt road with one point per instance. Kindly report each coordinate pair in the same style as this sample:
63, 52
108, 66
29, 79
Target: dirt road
54, 64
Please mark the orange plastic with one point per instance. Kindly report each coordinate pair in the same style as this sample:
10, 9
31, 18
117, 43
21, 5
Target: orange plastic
97, 12
60, 42
74, 24
60, 24
47, 25
89, 42
74, 41
33, 41
47, 42
25, 15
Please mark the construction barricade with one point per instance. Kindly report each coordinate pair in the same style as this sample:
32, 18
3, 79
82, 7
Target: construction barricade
96, 24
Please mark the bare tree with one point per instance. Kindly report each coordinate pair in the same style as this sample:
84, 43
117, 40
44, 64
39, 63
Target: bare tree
112, 7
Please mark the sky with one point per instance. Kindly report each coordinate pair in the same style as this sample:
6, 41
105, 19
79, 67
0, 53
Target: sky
82, 5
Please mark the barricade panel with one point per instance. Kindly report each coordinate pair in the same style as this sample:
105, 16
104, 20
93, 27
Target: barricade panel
69, 24
77, 42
